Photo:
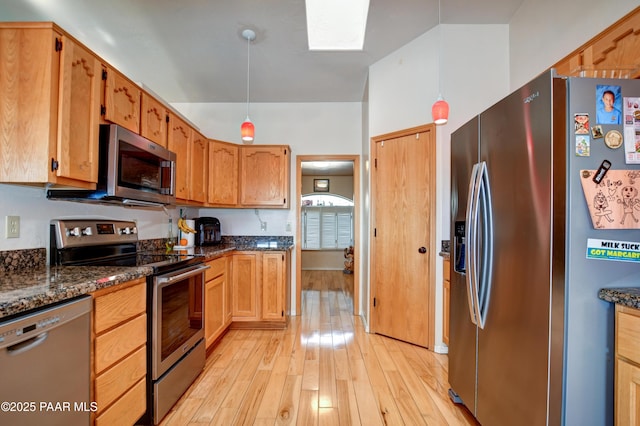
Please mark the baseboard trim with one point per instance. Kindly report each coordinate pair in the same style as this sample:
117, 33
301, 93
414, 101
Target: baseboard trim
441, 349
322, 269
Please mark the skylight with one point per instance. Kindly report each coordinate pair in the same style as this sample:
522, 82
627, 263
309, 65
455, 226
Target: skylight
336, 24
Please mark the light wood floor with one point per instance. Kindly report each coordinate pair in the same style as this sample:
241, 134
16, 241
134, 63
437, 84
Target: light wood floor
324, 369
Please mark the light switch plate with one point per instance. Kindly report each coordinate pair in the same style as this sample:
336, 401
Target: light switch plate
12, 229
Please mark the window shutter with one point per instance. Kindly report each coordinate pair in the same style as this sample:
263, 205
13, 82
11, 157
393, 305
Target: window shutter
345, 229
312, 229
329, 229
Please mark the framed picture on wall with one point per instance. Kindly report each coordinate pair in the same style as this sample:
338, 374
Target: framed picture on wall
321, 185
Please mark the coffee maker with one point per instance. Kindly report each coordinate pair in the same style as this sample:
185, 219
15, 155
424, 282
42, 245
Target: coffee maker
208, 231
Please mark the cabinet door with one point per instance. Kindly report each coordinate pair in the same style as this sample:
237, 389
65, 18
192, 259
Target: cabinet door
199, 166
244, 286
223, 174
215, 316
78, 113
228, 283
273, 286
122, 101
179, 141
627, 394
264, 176
49, 107
153, 122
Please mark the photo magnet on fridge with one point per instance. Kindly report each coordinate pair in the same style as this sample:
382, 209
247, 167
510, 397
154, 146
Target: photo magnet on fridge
581, 123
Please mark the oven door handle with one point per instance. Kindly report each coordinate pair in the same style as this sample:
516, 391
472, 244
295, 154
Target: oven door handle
185, 273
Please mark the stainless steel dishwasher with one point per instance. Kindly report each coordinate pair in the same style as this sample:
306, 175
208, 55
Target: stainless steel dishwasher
45, 366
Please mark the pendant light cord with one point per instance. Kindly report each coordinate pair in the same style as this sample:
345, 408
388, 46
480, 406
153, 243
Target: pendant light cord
248, 62
439, 53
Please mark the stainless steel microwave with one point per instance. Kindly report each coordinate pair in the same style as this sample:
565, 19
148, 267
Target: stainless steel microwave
132, 171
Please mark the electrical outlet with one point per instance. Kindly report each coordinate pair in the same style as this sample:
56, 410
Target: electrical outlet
263, 226
288, 229
12, 229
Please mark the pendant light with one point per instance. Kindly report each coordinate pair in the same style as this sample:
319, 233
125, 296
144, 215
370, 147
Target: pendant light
440, 108
247, 129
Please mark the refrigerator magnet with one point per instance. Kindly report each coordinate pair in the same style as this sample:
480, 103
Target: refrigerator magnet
596, 132
581, 123
583, 146
613, 139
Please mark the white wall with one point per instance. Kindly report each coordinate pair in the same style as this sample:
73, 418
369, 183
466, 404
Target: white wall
308, 128
365, 178
542, 32
404, 85
35, 211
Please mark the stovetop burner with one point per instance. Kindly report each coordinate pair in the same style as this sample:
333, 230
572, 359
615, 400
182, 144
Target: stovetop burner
91, 242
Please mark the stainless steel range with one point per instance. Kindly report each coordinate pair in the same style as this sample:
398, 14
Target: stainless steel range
175, 345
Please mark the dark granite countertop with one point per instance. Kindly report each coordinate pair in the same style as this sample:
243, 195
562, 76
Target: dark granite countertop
32, 288
629, 296
29, 286
625, 291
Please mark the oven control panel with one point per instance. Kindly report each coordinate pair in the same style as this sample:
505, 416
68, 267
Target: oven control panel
90, 232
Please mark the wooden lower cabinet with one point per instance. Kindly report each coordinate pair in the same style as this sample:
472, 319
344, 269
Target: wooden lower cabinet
627, 382
446, 293
217, 304
261, 289
244, 270
119, 353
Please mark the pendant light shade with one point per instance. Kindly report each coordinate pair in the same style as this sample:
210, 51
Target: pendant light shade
440, 111
247, 130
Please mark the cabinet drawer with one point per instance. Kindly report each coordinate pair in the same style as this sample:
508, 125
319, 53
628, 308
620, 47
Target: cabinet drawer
127, 409
117, 343
628, 336
115, 381
217, 267
119, 306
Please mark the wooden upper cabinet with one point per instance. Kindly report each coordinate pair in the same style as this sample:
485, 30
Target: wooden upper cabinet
264, 176
199, 166
153, 120
122, 100
180, 138
614, 53
223, 174
49, 108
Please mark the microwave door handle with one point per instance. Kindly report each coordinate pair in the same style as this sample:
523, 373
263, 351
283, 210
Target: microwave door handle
172, 187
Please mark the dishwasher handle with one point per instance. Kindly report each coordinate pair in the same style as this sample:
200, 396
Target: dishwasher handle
27, 345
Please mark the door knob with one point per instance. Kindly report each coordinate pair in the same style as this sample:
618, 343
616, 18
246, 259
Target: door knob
422, 250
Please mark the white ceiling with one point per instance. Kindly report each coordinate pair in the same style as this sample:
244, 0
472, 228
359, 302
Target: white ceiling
326, 168
193, 51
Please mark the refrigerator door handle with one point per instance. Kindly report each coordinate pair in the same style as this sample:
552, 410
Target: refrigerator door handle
471, 221
485, 258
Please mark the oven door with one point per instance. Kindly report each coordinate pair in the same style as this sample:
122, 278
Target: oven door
178, 316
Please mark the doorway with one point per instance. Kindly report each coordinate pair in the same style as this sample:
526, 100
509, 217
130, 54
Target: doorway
327, 166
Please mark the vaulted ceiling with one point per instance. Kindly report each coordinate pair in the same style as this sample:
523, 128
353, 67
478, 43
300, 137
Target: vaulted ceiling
193, 51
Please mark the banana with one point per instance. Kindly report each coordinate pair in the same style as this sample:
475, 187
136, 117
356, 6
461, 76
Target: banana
182, 224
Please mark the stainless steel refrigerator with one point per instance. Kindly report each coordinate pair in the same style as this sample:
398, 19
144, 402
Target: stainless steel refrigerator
530, 342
